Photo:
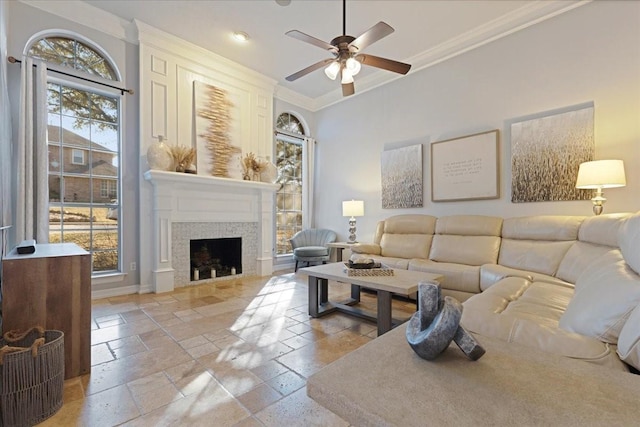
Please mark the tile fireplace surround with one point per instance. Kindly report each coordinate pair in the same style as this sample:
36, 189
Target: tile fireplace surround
194, 206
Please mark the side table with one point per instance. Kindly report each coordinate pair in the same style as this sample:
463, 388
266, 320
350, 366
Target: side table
340, 246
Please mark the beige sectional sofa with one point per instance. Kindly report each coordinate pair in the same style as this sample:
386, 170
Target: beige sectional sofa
566, 285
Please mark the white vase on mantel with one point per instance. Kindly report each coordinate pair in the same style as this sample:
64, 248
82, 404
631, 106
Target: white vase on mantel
159, 156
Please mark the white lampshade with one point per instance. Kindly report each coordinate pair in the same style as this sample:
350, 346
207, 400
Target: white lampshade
353, 208
353, 66
601, 174
332, 70
347, 77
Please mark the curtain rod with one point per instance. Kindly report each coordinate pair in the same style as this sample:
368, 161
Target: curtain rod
122, 91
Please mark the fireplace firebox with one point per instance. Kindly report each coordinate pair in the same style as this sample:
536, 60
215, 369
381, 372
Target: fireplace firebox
211, 258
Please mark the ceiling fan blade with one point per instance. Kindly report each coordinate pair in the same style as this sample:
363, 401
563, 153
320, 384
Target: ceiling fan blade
384, 63
310, 68
348, 89
372, 35
312, 40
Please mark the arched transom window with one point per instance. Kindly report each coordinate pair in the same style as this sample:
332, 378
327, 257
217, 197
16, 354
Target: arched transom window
73, 53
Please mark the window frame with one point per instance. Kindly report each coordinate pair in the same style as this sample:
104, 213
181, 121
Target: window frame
75, 151
301, 139
71, 80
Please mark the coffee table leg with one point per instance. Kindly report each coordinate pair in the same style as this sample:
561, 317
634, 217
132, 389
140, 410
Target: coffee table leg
313, 296
355, 293
324, 290
384, 312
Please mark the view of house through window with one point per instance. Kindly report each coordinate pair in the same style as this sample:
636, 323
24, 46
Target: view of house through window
289, 162
83, 136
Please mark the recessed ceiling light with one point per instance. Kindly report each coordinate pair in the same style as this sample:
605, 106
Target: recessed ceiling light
283, 2
241, 36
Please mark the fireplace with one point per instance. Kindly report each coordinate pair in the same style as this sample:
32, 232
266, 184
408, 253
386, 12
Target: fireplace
194, 207
211, 258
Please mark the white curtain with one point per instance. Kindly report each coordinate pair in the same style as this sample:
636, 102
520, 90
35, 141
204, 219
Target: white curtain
32, 192
5, 132
308, 154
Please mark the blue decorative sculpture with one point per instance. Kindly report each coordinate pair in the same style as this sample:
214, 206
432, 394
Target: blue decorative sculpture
436, 323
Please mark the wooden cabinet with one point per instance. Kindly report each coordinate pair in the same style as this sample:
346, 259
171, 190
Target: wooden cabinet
51, 288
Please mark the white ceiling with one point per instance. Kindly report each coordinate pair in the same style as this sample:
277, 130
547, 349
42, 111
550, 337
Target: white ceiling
426, 32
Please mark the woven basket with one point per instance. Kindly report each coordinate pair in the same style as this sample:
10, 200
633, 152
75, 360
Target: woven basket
31, 378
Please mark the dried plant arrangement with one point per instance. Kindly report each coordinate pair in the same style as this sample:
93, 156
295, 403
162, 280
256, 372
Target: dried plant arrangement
183, 156
252, 166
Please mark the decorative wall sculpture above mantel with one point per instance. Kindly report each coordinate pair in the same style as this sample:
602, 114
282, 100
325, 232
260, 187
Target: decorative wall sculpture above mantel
216, 153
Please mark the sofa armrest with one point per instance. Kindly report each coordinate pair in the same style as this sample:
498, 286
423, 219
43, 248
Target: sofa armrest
366, 248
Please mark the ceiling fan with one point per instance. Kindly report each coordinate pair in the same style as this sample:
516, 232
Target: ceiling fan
347, 56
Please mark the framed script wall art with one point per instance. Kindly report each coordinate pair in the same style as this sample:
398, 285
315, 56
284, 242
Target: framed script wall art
465, 168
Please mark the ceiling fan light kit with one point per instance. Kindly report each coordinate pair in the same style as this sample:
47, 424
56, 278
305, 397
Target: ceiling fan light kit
347, 59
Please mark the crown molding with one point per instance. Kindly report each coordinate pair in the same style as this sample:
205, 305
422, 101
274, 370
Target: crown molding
87, 15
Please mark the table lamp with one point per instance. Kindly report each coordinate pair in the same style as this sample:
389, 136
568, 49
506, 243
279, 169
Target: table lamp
352, 208
599, 174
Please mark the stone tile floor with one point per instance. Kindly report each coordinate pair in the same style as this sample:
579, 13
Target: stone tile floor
226, 353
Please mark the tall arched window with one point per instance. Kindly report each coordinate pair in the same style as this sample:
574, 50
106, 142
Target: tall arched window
83, 133
290, 161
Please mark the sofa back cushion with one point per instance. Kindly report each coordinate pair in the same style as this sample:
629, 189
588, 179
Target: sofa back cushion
537, 243
407, 236
629, 241
597, 236
605, 295
602, 229
405, 245
542, 227
410, 224
466, 239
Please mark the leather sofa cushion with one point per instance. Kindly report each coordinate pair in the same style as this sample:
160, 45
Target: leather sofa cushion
405, 245
629, 240
493, 273
534, 255
469, 225
542, 227
366, 248
579, 257
410, 224
518, 310
469, 250
602, 229
629, 340
465, 278
606, 294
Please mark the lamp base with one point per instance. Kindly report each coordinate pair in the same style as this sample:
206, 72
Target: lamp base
598, 202
352, 230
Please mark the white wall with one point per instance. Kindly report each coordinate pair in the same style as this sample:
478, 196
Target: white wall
590, 54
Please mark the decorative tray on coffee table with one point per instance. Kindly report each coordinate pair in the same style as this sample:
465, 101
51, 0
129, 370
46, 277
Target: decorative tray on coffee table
367, 269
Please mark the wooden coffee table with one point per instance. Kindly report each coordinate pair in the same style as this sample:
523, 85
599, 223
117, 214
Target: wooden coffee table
403, 282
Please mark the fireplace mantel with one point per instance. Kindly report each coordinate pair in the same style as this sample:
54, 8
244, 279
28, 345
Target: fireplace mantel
181, 197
